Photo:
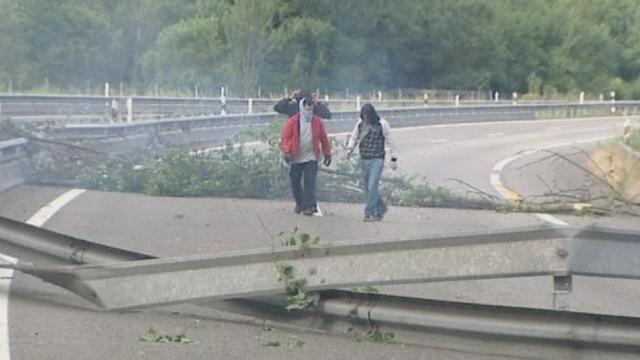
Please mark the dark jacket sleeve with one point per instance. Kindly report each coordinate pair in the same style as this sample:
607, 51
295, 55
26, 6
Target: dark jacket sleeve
286, 106
321, 110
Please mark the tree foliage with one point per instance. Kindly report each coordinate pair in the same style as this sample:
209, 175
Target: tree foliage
538, 46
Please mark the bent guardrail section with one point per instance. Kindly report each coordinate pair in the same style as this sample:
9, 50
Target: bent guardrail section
12, 158
530, 251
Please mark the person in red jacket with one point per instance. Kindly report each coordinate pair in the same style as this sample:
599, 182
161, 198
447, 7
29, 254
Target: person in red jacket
303, 140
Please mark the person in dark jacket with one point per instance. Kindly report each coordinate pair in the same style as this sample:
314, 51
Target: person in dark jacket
290, 106
304, 138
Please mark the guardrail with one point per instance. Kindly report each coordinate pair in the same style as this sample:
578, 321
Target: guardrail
55, 110
12, 157
202, 131
557, 252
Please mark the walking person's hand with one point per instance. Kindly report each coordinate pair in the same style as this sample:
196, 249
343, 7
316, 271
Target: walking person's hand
327, 160
288, 158
393, 164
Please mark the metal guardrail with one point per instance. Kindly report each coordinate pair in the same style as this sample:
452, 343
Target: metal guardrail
555, 252
12, 156
490, 255
58, 110
224, 127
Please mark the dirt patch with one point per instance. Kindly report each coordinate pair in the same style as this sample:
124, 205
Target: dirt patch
618, 168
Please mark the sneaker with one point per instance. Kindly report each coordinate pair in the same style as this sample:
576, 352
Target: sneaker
297, 209
308, 212
378, 217
369, 218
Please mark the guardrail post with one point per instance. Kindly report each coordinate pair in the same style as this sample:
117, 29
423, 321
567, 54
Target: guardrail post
612, 96
562, 287
514, 96
223, 102
456, 100
106, 89
130, 109
496, 96
581, 97
358, 102
250, 106
626, 133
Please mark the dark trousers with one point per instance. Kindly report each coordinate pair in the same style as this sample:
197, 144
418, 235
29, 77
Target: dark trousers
303, 184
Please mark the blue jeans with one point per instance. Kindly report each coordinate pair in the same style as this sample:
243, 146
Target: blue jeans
371, 172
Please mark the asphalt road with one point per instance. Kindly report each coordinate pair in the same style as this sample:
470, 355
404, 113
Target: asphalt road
46, 322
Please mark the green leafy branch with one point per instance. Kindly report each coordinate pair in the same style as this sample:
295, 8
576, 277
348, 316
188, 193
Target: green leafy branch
155, 337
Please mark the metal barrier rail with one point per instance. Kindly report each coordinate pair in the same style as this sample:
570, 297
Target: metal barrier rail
489, 255
401, 117
479, 255
12, 155
56, 109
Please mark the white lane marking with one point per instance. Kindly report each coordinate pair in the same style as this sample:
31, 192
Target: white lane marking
497, 184
494, 178
47, 211
6, 275
497, 123
551, 219
494, 134
438, 141
554, 128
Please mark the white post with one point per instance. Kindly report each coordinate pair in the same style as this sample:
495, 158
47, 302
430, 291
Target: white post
106, 89
379, 95
601, 97
223, 102
581, 97
250, 106
497, 97
456, 100
612, 96
426, 99
627, 131
130, 109
196, 91
326, 97
514, 96
358, 102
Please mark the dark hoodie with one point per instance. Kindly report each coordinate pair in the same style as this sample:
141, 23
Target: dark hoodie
290, 107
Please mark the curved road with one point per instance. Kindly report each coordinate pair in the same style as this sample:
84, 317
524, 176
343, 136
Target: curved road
46, 322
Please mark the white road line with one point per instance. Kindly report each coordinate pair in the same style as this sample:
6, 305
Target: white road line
554, 128
495, 123
495, 134
6, 275
552, 219
438, 141
497, 184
